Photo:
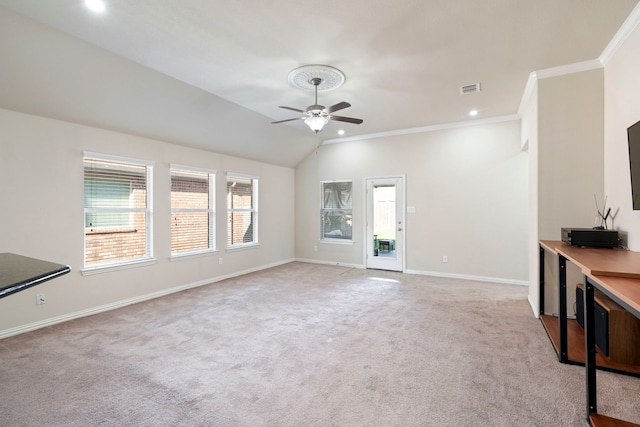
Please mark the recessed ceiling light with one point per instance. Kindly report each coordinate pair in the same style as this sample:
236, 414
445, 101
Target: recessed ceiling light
97, 6
341, 132
473, 113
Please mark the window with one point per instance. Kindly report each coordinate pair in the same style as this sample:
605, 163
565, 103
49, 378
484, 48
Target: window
192, 213
242, 210
336, 210
117, 210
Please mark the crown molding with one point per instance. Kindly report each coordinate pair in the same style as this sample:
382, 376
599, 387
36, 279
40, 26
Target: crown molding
563, 70
422, 129
546, 73
628, 26
532, 81
616, 42
623, 33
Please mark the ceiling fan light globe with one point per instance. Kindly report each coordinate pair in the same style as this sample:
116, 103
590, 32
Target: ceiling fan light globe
316, 123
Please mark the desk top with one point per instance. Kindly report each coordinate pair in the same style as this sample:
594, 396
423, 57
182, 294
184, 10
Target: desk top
625, 289
19, 272
598, 261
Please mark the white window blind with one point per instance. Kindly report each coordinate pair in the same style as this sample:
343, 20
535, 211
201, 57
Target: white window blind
336, 211
192, 212
117, 211
242, 210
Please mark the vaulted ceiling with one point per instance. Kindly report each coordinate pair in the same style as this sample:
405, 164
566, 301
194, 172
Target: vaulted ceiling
211, 74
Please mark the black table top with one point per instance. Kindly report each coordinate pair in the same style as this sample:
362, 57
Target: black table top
19, 272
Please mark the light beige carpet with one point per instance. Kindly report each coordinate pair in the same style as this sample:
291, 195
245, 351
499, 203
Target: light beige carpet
305, 345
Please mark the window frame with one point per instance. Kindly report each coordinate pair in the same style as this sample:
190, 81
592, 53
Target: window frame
254, 211
323, 238
211, 232
148, 257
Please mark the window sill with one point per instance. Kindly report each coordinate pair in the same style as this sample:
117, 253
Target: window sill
338, 241
89, 271
242, 247
191, 255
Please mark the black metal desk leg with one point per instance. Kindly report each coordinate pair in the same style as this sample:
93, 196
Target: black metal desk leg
590, 347
562, 309
541, 281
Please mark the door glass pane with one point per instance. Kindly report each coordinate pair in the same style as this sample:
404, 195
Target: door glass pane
384, 220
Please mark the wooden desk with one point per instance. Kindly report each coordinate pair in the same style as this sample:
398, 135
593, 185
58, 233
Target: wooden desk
566, 335
19, 272
614, 272
602, 262
626, 292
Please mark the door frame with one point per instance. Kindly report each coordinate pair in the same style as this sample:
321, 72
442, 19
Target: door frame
401, 212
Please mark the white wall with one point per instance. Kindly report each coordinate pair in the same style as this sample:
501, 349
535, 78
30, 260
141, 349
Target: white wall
469, 188
529, 141
622, 109
42, 216
570, 151
565, 130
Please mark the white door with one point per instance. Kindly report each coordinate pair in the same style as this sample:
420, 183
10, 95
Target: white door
385, 223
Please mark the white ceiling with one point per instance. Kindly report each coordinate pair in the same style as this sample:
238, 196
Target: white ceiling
404, 61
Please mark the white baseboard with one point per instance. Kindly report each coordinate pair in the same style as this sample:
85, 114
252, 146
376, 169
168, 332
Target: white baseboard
469, 277
339, 264
533, 307
123, 303
426, 273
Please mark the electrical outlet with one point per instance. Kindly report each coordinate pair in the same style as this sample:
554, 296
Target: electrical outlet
40, 299
315, 248
445, 258
220, 261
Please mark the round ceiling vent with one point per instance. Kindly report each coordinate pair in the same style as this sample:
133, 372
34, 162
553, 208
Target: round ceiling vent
302, 77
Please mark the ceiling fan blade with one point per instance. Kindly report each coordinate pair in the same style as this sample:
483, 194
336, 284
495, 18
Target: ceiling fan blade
346, 119
291, 108
338, 106
287, 120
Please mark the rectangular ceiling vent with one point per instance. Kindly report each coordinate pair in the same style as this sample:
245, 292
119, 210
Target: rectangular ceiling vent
472, 88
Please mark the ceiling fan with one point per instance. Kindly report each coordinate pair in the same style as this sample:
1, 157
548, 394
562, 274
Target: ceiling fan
316, 116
